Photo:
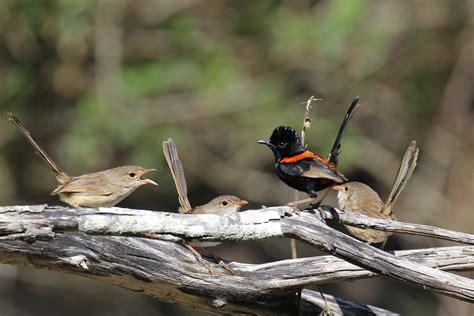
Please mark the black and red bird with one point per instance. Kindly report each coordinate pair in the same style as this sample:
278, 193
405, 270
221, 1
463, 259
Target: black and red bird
301, 169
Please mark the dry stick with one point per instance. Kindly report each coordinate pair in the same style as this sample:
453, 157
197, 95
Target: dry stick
294, 253
363, 221
306, 124
33, 222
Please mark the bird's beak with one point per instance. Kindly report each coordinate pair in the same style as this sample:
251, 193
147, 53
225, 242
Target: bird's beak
266, 142
241, 202
337, 187
145, 180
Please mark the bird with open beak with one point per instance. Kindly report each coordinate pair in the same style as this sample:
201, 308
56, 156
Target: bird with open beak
98, 189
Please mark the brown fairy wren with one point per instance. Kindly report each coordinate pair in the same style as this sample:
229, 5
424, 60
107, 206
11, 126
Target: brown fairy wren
360, 198
99, 189
223, 204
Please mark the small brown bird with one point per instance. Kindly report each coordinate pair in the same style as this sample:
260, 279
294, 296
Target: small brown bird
360, 198
223, 204
99, 189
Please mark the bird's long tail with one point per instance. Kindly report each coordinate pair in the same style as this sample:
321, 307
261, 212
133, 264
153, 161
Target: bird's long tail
336, 148
61, 176
404, 172
177, 171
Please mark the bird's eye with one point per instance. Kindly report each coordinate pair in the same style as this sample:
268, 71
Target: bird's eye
132, 174
281, 144
225, 203
346, 189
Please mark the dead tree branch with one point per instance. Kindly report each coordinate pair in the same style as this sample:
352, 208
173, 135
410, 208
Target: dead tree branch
169, 272
359, 220
116, 259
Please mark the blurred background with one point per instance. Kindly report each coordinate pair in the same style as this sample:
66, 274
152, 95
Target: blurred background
103, 83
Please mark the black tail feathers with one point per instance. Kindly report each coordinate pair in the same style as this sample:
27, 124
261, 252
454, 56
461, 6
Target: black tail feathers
336, 148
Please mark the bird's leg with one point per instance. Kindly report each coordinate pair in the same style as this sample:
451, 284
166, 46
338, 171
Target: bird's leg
318, 203
296, 203
199, 258
219, 260
315, 206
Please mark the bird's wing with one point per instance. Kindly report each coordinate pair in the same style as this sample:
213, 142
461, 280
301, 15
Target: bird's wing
86, 184
197, 210
312, 168
370, 208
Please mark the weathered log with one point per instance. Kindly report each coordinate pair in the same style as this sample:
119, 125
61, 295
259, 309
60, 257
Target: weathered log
169, 272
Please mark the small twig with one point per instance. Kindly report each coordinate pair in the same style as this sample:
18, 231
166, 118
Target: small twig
306, 125
307, 117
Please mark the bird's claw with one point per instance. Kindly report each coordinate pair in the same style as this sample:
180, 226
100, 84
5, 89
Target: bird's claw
225, 266
219, 261
199, 258
204, 263
295, 210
